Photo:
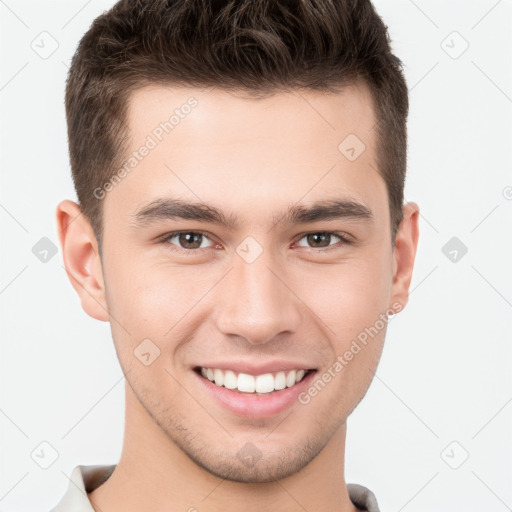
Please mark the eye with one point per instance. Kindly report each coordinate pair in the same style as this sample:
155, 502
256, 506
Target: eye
322, 239
194, 241
187, 240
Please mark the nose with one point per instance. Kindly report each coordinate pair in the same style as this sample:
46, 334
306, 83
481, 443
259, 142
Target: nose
256, 303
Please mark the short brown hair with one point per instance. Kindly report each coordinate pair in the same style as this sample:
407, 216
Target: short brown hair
260, 46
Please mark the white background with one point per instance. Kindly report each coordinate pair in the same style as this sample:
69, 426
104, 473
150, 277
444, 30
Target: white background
445, 374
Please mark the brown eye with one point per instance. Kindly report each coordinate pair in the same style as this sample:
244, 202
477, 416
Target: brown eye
320, 240
188, 240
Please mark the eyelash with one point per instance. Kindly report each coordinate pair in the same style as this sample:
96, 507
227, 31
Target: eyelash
344, 240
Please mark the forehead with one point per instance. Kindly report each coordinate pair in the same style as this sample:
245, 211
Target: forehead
305, 115
219, 146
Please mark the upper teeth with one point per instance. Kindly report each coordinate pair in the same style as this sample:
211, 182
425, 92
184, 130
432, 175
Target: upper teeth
246, 383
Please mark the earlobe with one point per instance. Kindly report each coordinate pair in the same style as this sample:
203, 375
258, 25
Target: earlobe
81, 259
404, 254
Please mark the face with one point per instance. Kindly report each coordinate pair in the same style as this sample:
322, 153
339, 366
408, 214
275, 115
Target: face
250, 238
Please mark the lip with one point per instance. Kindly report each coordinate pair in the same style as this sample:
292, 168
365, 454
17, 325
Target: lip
252, 405
252, 368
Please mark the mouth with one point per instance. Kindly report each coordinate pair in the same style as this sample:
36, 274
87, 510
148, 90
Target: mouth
256, 385
253, 395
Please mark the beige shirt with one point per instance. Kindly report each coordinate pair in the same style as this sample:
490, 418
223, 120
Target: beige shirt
85, 479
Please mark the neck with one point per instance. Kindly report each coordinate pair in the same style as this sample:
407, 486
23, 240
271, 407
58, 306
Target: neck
154, 474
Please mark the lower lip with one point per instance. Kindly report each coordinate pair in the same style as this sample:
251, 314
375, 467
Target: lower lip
252, 405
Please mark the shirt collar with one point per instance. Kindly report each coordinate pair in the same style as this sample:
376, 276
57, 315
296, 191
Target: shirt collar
85, 479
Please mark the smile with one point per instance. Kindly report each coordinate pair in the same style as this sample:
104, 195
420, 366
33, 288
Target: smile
246, 383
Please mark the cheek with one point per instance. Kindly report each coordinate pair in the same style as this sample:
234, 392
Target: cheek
141, 305
155, 300
351, 303
143, 293
349, 298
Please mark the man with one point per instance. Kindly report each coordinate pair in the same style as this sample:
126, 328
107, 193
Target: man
239, 168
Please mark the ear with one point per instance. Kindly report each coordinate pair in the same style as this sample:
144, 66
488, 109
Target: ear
81, 259
404, 254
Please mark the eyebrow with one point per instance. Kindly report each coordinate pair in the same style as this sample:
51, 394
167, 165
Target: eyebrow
171, 209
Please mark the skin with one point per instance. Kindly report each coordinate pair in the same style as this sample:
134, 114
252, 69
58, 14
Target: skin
253, 159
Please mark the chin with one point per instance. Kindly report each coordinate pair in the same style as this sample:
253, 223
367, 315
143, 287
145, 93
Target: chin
251, 464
